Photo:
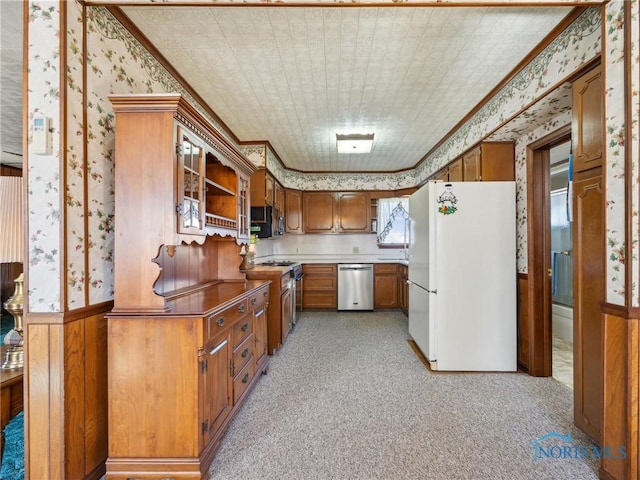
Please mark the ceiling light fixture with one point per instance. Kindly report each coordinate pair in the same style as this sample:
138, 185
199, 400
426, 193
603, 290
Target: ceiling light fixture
354, 143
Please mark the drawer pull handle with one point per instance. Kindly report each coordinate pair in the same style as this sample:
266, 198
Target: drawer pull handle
254, 300
218, 348
245, 379
264, 294
259, 312
245, 352
245, 327
242, 308
220, 321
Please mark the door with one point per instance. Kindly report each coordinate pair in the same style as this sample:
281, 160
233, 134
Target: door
420, 239
286, 314
589, 290
319, 212
293, 211
190, 183
421, 320
476, 276
353, 212
217, 385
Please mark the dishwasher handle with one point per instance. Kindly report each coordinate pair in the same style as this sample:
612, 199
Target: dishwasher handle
366, 267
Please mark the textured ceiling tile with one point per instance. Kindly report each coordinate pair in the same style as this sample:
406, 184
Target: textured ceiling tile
297, 75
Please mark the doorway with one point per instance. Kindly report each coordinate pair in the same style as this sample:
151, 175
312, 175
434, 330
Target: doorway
540, 275
561, 265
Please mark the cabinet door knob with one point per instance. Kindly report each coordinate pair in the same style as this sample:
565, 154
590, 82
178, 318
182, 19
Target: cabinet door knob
254, 300
245, 327
245, 352
245, 379
242, 308
220, 321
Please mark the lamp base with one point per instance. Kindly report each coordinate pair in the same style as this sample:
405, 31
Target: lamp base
13, 359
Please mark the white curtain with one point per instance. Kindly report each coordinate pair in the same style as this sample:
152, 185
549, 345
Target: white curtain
392, 213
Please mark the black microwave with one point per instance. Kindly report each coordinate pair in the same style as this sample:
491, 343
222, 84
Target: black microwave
266, 224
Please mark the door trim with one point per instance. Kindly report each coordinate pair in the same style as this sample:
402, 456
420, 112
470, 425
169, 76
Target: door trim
538, 250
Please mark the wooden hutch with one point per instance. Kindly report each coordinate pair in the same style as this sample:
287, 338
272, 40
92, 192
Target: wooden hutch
188, 332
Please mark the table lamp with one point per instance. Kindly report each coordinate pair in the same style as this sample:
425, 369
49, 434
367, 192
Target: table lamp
11, 248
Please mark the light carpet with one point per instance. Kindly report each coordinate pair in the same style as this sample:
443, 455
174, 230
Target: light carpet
347, 398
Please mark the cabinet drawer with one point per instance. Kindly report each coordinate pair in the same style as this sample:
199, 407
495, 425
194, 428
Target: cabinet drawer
320, 283
242, 380
319, 269
390, 268
257, 300
242, 330
218, 321
315, 299
243, 353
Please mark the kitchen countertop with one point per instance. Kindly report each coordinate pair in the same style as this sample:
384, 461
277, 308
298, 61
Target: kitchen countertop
329, 259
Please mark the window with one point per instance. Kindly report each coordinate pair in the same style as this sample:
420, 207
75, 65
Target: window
392, 216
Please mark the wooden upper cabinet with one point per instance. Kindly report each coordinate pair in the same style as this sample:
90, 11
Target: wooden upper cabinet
442, 175
455, 171
319, 212
172, 190
269, 189
190, 153
490, 162
293, 211
336, 212
278, 197
587, 130
262, 188
471, 163
354, 212
244, 208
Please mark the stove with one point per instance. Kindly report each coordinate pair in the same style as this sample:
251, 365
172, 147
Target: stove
296, 270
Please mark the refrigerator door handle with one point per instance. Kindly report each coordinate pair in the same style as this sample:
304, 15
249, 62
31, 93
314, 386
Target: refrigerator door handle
407, 233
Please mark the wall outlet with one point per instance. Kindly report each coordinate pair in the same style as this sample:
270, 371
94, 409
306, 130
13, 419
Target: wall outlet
356, 250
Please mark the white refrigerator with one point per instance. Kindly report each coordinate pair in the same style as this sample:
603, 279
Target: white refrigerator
462, 275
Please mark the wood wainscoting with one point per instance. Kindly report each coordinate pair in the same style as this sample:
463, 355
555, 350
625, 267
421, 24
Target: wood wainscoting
621, 416
66, 394
523, 322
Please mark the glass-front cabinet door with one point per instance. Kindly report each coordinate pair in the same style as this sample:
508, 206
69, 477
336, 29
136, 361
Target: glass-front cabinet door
190, 184
243, 207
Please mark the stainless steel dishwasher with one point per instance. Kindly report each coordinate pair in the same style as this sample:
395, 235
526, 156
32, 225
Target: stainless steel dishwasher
355, 286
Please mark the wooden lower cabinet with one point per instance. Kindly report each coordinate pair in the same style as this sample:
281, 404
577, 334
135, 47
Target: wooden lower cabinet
589, 289
320, 286
385, 291
176, 380
403, 287
280, 313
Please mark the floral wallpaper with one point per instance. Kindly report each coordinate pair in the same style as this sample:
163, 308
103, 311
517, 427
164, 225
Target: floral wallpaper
74, 201
256, 153
550, 114
44, 195
635, 151
521, 182
615, 171
117, 63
